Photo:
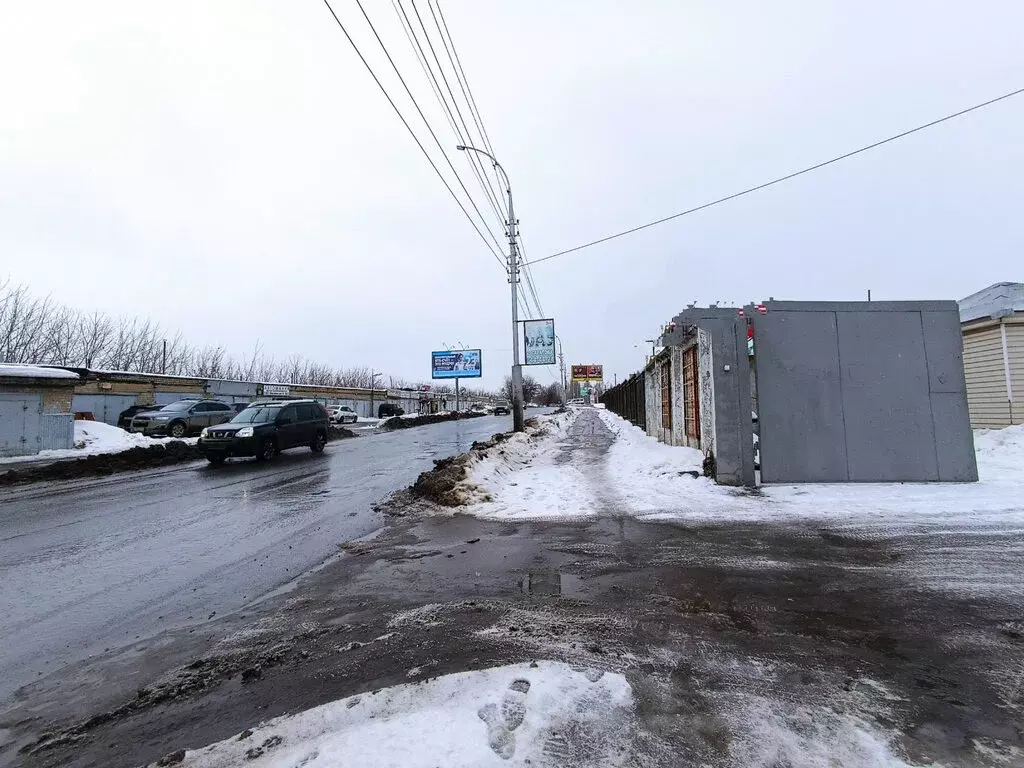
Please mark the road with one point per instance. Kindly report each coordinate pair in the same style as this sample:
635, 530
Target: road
89, 566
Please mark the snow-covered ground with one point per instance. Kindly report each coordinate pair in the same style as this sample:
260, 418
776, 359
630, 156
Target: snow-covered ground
94, 437
521, 714
541, 478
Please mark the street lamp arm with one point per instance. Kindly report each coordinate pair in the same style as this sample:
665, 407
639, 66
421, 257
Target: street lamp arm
508, 185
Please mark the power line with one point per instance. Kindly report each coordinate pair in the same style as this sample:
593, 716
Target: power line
460, 75
466, 136
781, 178
427, 123
464, 87
413, 134
472, 100
421, 57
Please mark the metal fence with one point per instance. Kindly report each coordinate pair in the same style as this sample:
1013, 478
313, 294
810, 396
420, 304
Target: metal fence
56, 430
628, 400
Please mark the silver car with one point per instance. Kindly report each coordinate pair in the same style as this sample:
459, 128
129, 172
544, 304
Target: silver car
181, 419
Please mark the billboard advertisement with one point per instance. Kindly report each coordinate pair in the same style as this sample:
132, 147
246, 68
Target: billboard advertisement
588, 373
539, 341
456, 364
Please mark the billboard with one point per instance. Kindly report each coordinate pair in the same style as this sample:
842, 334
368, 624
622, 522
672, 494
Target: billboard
456, 364
539, 341
588, 373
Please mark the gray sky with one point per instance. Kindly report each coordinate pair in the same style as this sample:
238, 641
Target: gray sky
230, 169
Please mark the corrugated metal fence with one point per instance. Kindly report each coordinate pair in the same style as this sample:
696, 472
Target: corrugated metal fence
628, 400
56, 430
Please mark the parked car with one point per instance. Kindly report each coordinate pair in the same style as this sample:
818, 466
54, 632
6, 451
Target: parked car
342, 414
478, 408
502, 408
264, 429
124, 419
180, 419
389, 409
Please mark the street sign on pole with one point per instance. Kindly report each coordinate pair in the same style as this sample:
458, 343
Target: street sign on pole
539, 341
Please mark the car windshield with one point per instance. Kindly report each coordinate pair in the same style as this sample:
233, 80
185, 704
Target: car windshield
257, 414
181, 405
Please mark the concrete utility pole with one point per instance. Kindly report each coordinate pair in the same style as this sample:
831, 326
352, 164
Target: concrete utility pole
373, 379
513, 278
561, 367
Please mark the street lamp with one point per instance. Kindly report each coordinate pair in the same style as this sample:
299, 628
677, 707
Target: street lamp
513, 274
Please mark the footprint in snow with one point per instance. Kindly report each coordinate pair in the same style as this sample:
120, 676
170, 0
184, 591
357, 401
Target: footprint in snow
502, 721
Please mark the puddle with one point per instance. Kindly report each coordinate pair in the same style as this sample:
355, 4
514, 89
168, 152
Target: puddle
550, 583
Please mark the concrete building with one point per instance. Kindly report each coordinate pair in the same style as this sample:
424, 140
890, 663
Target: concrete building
35, 409
992, 324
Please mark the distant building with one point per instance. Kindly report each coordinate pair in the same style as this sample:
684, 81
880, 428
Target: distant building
992, 323
35, 409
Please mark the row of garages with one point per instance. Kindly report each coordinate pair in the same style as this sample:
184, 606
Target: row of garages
38, 404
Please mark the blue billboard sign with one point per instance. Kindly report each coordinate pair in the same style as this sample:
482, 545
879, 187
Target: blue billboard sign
456, 364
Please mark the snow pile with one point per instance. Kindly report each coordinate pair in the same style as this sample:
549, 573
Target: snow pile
523, 477
95, 437
571, 476
35, 372
541, 714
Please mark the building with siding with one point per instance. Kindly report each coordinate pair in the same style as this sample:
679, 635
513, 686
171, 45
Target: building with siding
35, 409
992, 324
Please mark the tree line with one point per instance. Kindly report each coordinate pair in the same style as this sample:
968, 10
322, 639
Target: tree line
39, 330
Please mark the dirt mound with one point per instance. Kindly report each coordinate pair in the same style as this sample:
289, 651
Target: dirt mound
339, 433
401, 422
162, 454
442, 483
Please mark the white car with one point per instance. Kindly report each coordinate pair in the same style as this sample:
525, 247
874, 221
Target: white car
342, 414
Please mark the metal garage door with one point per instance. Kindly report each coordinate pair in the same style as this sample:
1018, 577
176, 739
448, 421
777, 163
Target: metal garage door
19, 424
105, 408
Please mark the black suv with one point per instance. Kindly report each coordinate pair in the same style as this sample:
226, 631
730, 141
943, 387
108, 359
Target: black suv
263, 429
387, 410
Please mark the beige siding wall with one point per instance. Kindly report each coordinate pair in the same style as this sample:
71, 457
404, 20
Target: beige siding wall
986, 382
1015, 346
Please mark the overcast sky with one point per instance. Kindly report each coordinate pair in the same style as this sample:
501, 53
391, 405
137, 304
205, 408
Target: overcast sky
229, 168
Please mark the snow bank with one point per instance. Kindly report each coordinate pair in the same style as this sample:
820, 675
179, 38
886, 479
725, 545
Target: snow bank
544, 713
95, 437
35, 372
552, 478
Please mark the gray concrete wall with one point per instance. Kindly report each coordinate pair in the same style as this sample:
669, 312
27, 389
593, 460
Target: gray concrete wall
863, 392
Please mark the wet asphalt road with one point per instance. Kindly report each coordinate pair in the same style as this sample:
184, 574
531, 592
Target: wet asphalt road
93, 565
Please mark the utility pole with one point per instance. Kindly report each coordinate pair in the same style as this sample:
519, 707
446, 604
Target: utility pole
458, 408
513, 278
561, 367
373, 379
163, 366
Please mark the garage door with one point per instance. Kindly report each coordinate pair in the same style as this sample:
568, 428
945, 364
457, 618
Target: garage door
105, 408
19, 424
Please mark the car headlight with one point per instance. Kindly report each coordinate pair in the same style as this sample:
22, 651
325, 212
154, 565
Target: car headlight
161, 418
204, 433
244, 432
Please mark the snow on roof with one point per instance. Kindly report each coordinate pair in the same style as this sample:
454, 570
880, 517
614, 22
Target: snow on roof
9, 370
996, 300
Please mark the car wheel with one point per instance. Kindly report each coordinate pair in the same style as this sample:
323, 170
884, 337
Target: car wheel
215, 460
317, 446
267, 451
177, 429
